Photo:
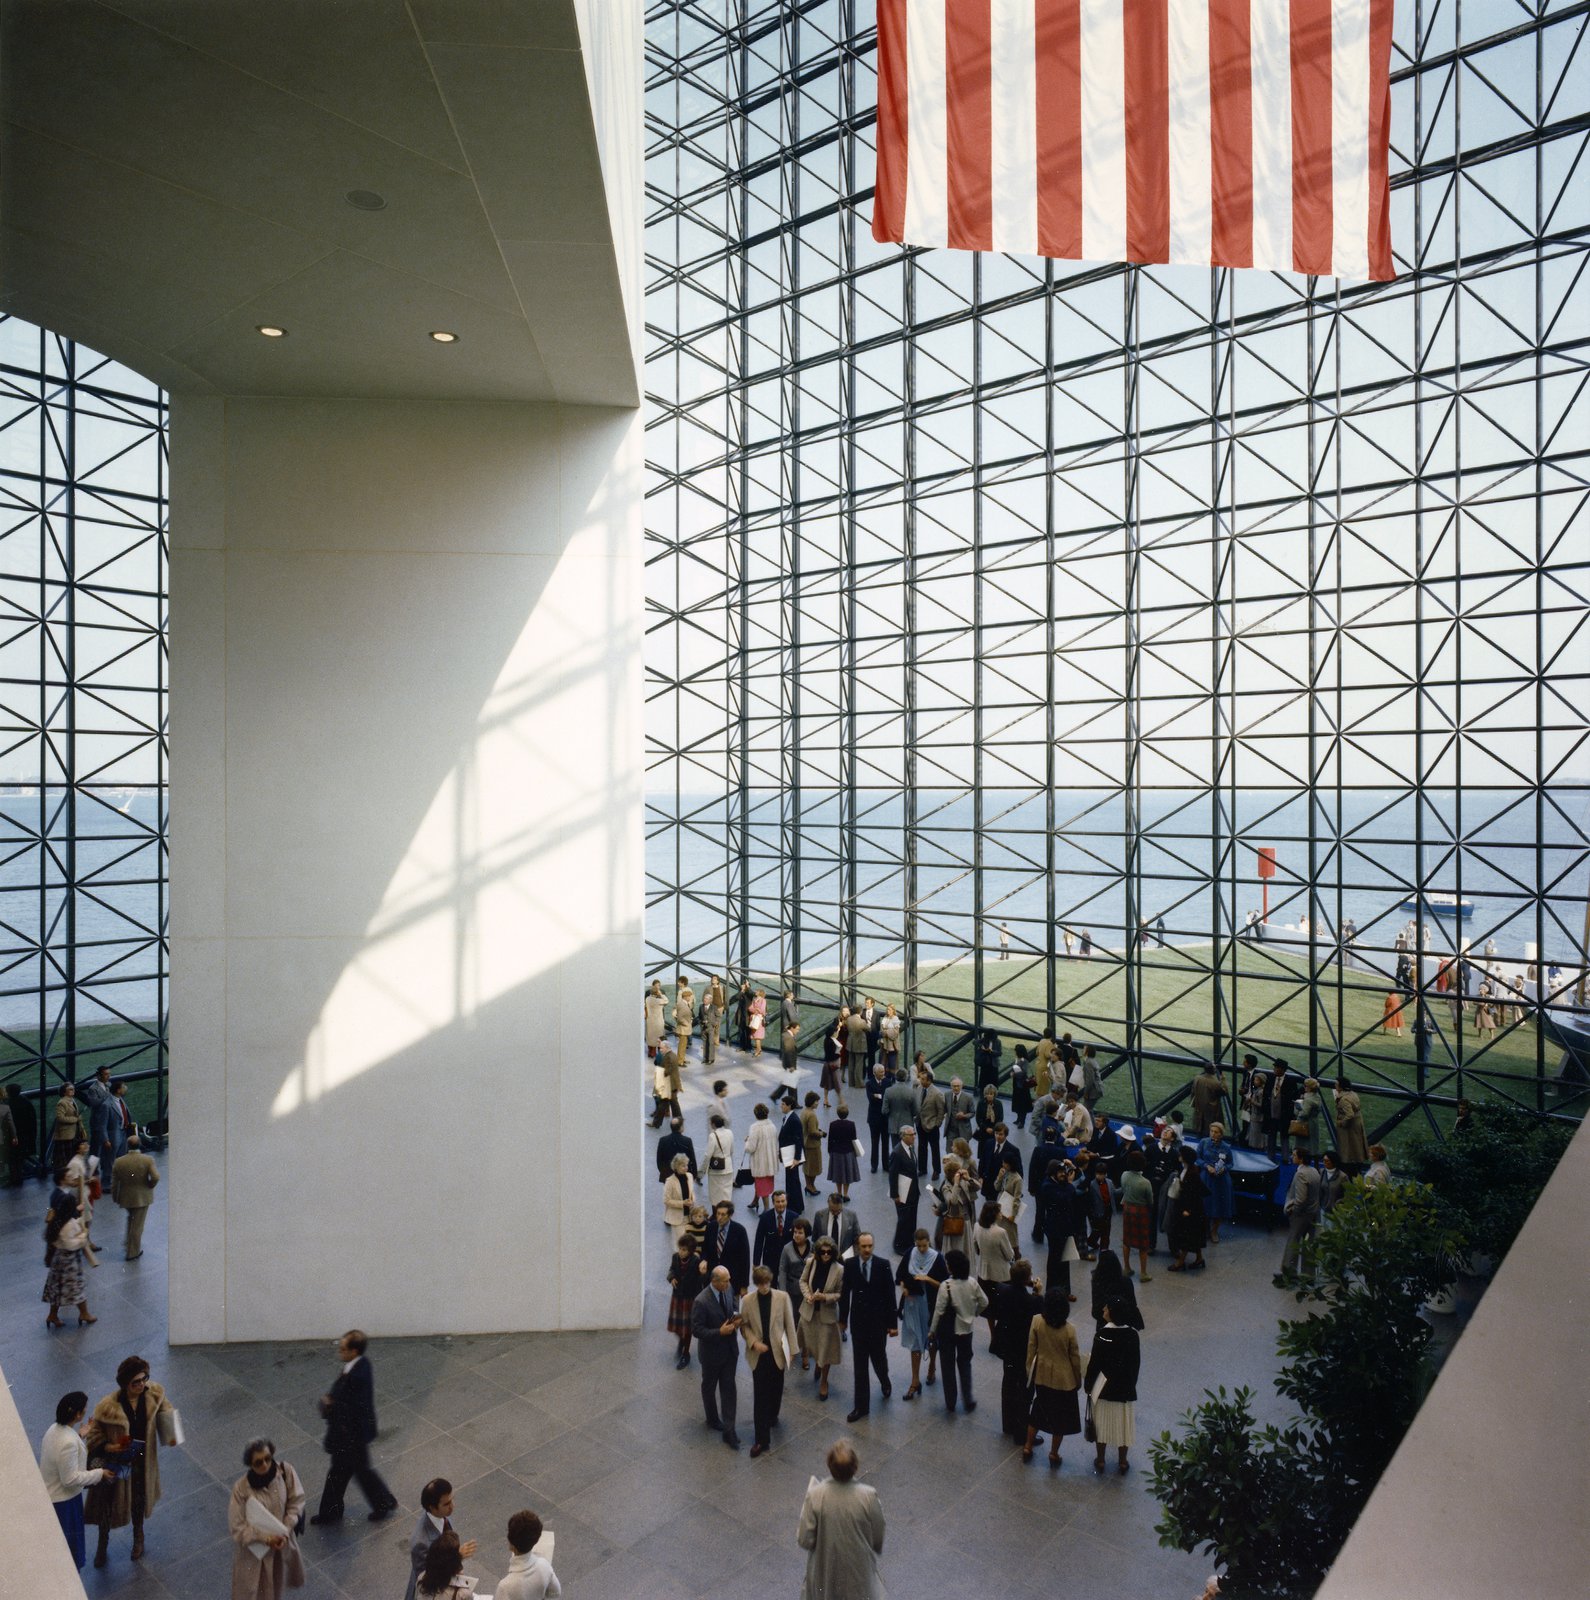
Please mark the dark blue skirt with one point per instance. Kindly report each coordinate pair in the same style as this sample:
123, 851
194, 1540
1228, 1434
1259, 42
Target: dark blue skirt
70, 1513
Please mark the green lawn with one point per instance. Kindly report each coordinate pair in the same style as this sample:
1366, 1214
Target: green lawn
1263, 996
127, 1051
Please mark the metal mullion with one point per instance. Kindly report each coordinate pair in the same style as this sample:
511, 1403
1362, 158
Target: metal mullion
979, 894
1222, 832
1311, 424
850, 801
1131, 809
911, 974
1051, 996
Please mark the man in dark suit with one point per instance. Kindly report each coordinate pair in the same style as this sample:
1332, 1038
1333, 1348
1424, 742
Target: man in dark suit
960, 1113
901, 1100
867, 1311
878, 1086
716, 1325
991, 1158
349, 1411
728, 1245
792, 1136
774, 1229
676, 1142
836, 1221
904, 1180
872, 1015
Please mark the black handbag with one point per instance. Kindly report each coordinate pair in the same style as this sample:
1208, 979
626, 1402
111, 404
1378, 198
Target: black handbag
1089, 1432
743, 1178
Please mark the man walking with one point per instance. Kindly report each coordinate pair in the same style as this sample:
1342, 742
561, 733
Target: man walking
867, 1312
841, 1529
1302, 1214
684, 1016
132, 1187
905, 1190
716, 1326
792, 1153
349, 1411
837, 1222
768, 1324
774, 1230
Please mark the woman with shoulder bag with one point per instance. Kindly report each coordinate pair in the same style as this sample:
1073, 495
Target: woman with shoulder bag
960, 1303
280, 1493
720, 1160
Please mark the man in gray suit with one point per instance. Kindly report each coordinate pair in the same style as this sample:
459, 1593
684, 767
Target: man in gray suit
837, 1222
95, 1095
715, 1320
436, 1498
960, 1112
900, 1102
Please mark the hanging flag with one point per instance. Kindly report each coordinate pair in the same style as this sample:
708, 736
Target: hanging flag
1232, 133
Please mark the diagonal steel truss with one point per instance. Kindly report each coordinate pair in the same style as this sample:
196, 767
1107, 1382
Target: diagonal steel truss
83, 558
1041, 594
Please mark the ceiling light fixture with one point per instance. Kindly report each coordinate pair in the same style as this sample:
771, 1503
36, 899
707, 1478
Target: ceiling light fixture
365, 200
442, 336
272, 333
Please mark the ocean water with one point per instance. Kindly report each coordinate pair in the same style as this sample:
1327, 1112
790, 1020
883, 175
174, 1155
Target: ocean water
1493, 848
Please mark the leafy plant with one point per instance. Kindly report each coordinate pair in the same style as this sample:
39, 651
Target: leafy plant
1360, 1365
1491, 1174
1249, 1496
1357, 1367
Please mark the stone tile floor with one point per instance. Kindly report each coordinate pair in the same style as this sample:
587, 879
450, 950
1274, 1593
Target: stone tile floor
601, 1435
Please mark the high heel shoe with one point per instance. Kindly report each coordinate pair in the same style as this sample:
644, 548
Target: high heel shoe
83, 1322
53, 1321
912, 1392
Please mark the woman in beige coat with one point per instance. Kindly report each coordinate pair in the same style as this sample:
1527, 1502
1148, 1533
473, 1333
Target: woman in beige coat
679, 1195
1054, 1369
280, 1491
133, 1411
822, 1278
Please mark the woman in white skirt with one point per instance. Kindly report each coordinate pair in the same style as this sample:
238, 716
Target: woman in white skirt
1115, 1357
720, 1160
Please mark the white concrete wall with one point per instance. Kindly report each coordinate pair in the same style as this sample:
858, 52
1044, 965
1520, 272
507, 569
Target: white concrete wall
406, 870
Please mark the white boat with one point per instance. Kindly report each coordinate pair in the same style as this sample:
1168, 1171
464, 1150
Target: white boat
1441, 905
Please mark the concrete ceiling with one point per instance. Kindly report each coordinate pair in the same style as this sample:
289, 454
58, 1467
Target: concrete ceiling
175, 174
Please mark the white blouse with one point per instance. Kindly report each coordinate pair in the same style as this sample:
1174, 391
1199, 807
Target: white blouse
63, 1463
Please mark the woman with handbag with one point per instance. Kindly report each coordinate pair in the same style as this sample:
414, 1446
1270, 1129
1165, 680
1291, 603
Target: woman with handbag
1008, 1192
960, 1303
822, 1280
1054, 1369
279, 1492
720, 1160
1304, 1127
919, 1273
679, 1195
66, 1247
758, 1021
136, 1413
1116, 1356
843, 1167
957, 1205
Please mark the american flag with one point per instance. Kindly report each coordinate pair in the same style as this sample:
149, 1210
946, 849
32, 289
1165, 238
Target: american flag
1233, 133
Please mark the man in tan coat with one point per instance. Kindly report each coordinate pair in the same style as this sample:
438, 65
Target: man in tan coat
132, 1187
767, 1323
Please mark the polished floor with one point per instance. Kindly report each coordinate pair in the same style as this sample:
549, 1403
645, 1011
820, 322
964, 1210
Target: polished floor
605, 1439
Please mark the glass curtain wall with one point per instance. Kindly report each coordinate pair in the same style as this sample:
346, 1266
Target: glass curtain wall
1011, 621
83, 744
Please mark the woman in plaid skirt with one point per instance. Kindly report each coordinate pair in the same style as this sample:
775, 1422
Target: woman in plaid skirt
686, 1277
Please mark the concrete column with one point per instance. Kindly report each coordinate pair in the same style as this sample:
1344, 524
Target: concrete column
406, 871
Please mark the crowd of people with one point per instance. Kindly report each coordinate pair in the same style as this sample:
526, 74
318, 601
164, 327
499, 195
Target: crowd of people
101, 1470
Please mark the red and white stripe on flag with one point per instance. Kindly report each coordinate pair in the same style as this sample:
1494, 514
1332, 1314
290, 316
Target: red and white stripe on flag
1237, 133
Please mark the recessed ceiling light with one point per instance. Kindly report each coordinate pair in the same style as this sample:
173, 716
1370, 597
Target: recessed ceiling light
272, 333
365, 200
441, 336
